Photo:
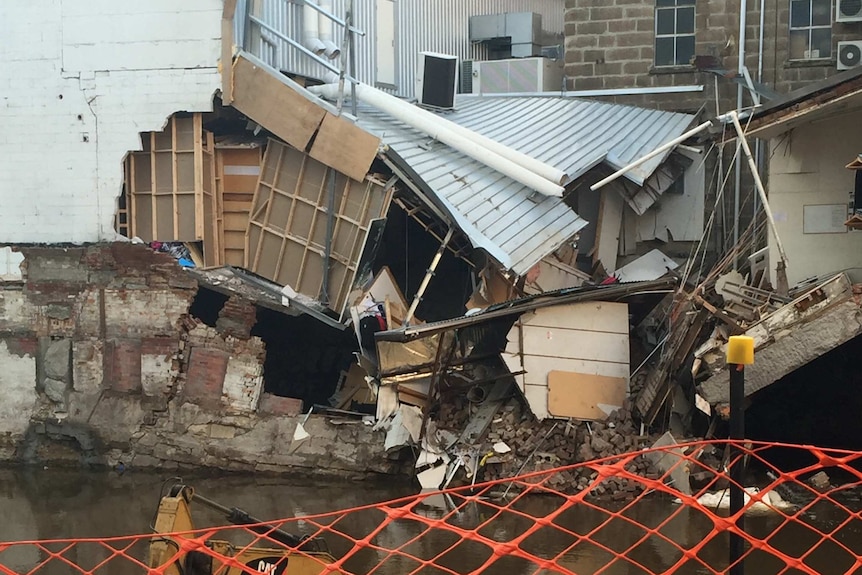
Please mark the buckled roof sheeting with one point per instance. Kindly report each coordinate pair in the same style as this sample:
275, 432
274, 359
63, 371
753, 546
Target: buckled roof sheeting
517, 226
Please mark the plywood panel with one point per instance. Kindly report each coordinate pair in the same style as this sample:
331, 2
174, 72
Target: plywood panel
274, 105
582, 396
345, 146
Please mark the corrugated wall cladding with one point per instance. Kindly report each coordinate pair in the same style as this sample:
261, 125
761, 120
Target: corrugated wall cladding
421, 25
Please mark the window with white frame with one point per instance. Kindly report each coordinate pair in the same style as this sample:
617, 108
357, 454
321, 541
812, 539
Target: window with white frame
674, 32
810, 29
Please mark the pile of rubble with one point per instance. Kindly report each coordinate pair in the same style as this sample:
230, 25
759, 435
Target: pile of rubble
517, 444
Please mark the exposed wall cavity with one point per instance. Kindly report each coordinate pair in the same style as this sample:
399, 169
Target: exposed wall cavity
207, 305
407, 250
304, 357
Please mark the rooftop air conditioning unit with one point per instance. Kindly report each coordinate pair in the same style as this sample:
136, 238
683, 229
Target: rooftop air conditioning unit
517, 75
849, 55
848, 10
437, 80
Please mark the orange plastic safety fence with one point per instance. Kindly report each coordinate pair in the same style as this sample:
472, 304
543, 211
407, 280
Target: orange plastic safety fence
600, 517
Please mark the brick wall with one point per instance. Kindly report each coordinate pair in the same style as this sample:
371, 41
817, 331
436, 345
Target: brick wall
79, 81
612, 46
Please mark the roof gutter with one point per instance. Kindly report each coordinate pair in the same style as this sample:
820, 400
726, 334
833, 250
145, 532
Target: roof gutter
518, 307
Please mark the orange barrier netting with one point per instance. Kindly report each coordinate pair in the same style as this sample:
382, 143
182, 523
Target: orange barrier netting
549, 523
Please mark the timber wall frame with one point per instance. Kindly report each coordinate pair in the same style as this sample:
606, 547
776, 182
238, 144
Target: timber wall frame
286, 237
171, 187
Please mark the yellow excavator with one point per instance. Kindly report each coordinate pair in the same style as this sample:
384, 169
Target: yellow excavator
174, 516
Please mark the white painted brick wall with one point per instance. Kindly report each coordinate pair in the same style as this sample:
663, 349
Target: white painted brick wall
80, 80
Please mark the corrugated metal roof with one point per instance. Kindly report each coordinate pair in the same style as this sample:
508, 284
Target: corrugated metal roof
574, 134
517, 226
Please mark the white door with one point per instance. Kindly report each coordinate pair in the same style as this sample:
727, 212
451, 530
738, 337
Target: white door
386, 42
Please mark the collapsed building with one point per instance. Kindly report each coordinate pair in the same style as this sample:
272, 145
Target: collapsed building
314, 273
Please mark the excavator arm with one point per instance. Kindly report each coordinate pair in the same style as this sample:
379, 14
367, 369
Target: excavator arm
174, 516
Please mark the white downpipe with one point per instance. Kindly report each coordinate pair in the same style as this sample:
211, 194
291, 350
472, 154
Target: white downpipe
324, 26
478, 147
311, 30
737, 176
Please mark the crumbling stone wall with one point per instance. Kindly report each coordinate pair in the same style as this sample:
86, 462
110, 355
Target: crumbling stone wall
100, 362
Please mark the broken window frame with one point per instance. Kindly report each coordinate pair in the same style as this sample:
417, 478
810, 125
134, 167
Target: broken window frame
674, 7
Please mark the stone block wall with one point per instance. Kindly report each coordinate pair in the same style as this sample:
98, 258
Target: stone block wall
98, 351
612, 46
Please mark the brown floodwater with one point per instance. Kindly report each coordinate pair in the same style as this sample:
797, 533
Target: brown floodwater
40, 503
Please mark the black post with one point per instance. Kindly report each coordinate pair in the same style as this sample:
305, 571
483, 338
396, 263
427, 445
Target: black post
737, 464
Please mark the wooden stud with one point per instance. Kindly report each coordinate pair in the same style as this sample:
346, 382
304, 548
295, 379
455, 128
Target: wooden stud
130, 196
174, 183
155, 219
197, 121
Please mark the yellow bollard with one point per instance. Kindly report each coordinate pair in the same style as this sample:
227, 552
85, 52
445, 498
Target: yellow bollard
740, 350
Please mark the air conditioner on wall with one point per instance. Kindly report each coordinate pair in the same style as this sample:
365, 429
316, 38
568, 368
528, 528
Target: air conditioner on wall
848, 10
849, 55
517, 75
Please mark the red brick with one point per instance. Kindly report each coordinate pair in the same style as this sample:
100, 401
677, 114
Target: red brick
21, 346
276, 405
205, 377
236, 318
159, 345
123, 365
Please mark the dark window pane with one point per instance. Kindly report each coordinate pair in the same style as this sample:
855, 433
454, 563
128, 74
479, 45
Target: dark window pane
685, 21
664, 51
821, 12
685, 2
664, 21
798, 44
800, 13
684, 50
660, 3
821, 43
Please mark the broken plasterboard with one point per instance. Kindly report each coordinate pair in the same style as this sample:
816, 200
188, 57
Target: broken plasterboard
584, 396
671, 463
384, 290
588, 338
493, 288
650, 266
553, 275
608, 229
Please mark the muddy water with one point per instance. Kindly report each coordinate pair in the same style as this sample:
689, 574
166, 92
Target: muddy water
48, 504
